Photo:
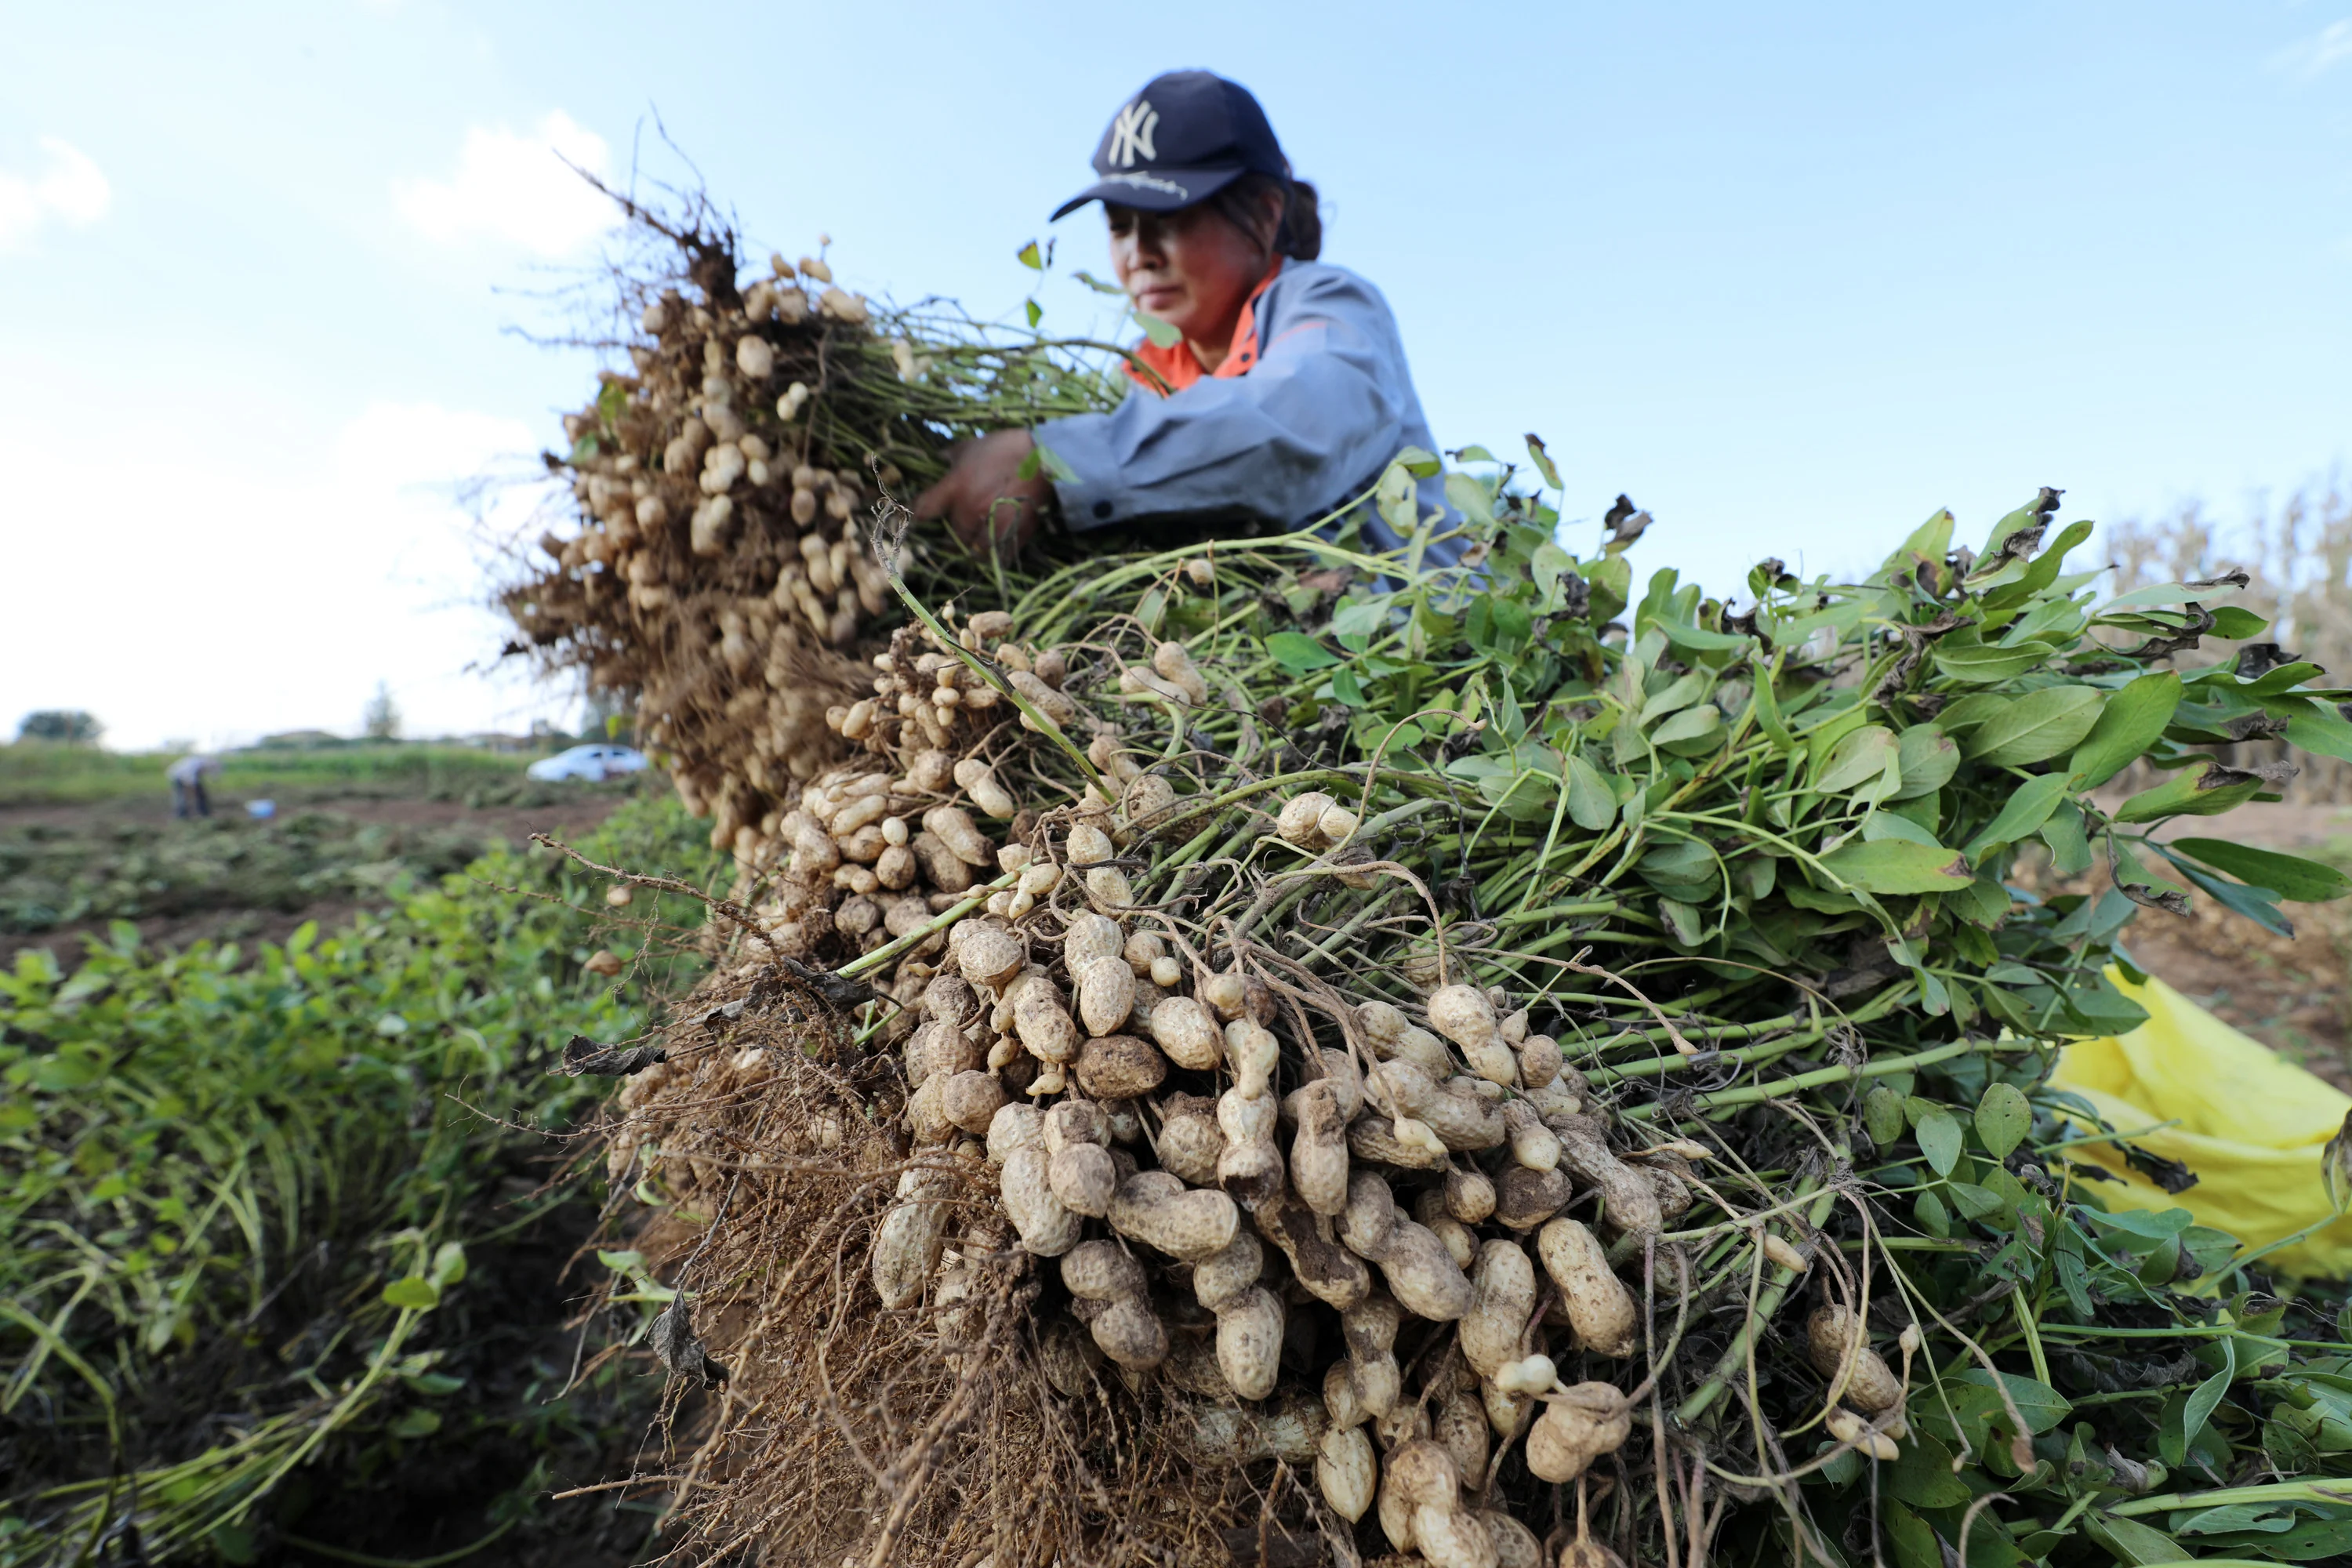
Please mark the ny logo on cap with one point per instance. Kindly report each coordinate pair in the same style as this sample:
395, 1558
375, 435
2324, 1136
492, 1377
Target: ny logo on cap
1131, 133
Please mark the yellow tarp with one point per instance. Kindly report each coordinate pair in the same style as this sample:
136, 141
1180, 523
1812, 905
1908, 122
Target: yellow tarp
2249, 1124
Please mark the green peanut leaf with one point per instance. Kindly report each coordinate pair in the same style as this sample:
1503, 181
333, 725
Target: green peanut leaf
1973, 1202
1767, 710
1419, 461
415, 1294
2132, 721
1984, 901
60, 1074
1977, 665
1698, 639
1683, 920
1923, 1476
1930, 758
1299, 653
1690, 724
1682, 869
1910, 1538
1612, 581
1860, 756
2022, 814
2004, 1119
1940, 1139
2291, 877
1468, 497
2204, 788
1882, 1115
2128, 1541
2317, 727
2199, 1408
1929, 1211
2036, 727
2070, 846
1932, 539
2259, 905
1360, 618
2044, 570
1897, 866
1540, 455
1969, 712
2237, 625
1591, 804
2168, 594
1545, 567
2042, 1406
1883, 824
416, 1423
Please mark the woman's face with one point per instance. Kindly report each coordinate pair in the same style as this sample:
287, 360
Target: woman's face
1192, 268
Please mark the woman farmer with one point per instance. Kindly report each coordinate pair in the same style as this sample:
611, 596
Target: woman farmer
1286, 392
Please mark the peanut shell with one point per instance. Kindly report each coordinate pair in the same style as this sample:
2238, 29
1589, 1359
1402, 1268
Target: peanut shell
1157, 1209
1120, 1066
1599, 1307
1504, 1298
1048, 1228
1347, 1472
1106, 995
1249, 1341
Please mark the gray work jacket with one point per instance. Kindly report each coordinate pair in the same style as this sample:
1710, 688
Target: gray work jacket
1326, 404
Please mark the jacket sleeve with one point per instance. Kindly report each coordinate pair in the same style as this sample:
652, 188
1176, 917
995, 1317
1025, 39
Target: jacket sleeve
1314, 421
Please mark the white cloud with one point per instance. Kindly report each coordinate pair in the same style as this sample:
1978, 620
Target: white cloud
2307, 57
397, 445
73, 191
294, 568
516, 188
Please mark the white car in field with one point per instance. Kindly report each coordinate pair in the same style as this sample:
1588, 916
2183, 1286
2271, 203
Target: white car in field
596, 762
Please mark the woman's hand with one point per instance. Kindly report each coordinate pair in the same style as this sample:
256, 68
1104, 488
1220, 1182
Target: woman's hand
984, 497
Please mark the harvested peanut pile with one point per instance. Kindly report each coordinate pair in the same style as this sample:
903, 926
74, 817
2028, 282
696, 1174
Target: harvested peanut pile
1272, 1055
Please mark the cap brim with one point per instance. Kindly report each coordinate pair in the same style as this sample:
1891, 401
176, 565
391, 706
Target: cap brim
1155, 190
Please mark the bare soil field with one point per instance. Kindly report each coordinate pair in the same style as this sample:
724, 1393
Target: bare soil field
69, 872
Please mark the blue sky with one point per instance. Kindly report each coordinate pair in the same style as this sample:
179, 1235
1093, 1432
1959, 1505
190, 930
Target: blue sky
1791, 276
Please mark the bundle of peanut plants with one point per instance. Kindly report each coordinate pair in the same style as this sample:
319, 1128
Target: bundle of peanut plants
1268, 1052
721, 573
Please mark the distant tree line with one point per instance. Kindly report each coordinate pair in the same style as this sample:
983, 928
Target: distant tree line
70, 726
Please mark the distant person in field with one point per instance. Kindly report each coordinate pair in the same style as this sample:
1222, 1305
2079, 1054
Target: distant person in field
1285, 393
187, 776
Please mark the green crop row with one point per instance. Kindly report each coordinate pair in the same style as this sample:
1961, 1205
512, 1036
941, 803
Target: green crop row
258, 1223
38, 773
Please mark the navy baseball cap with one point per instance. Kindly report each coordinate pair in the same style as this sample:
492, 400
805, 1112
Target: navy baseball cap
1185, 137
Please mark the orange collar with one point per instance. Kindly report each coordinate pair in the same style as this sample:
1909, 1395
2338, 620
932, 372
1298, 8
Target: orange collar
1180, 368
